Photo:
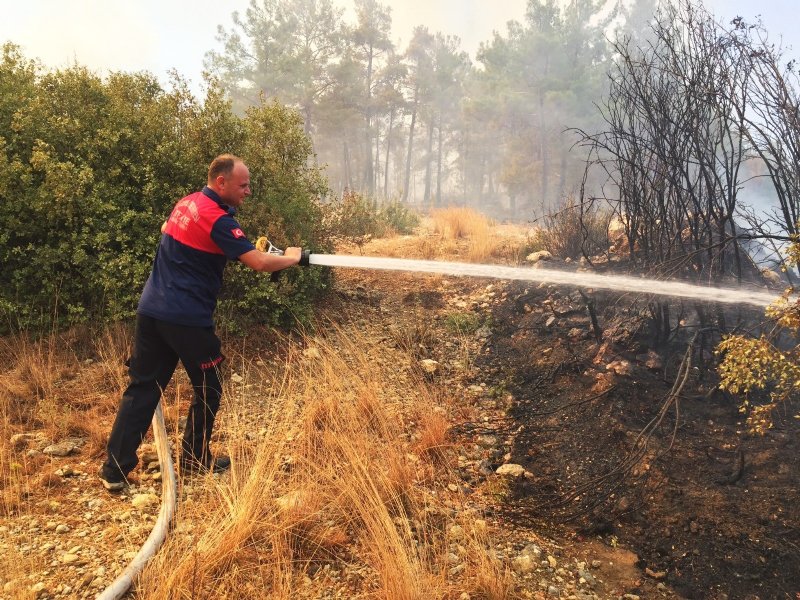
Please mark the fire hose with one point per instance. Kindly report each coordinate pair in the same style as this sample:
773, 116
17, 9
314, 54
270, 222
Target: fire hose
159, 532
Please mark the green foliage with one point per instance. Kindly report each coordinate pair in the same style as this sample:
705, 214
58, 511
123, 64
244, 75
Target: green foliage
90, 168
399, 217
752, 365
355, 218
462, 323
284, 206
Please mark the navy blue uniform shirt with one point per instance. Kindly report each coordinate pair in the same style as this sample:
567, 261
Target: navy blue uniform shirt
200, 238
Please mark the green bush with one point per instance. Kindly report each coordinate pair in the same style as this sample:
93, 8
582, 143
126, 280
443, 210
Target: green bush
91, 167
399, 217
356, 218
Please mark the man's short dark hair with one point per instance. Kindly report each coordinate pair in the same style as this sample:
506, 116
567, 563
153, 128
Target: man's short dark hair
222, 165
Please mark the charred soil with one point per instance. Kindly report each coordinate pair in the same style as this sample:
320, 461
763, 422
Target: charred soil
618, 454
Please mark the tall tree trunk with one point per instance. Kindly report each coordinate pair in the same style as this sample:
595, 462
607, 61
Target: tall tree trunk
388, 153
307, 111
348, 178
427, 197
377, 166
410, 143
562, 176
543, 150
439, 165
542, 138
369, 174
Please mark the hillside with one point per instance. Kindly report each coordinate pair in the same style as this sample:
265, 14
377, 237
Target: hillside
366, 456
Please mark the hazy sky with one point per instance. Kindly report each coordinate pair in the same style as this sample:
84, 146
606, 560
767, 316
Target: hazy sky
158, 35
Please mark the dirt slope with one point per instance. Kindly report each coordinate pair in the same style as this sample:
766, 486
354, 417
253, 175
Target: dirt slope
533, 388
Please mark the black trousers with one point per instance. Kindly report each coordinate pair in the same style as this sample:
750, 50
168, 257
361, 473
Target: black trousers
157, 348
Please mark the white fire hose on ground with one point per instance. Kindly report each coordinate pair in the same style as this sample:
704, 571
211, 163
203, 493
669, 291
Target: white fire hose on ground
159, 532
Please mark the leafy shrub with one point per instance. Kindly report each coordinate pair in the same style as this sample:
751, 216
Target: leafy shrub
462, 323
355, 217
90, 168
399, 217
763, 365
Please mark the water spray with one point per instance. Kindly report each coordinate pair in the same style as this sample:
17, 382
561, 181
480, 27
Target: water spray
621, 283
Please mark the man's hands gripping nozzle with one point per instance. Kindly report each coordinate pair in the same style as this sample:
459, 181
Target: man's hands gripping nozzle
264, 245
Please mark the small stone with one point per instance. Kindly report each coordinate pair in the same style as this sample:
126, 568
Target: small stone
149, 457
61, 449
487, 441
456, 532
63, 528
523, 564
141, 501
236, 378
551, 560
21, 439
68, 558
532, 550
511, 470
312, 353
535, 257
429, 365
457, 570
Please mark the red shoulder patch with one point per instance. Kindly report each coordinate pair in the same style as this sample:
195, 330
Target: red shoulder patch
237, 233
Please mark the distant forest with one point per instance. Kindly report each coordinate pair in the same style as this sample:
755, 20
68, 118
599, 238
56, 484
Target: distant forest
424, 124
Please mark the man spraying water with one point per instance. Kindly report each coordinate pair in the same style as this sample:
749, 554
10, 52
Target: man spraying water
175, 319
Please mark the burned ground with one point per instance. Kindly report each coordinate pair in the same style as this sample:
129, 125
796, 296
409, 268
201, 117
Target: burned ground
707, 507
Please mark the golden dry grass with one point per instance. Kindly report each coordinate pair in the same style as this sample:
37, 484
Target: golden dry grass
461, 234
328, 479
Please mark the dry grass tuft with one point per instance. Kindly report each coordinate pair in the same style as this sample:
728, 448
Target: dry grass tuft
51, 386
432, 441
457, 223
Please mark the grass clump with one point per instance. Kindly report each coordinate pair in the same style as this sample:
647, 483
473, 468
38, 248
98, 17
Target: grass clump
462, 323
